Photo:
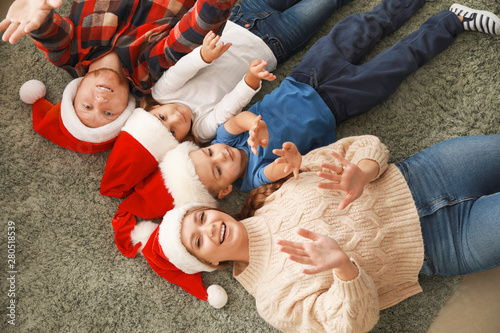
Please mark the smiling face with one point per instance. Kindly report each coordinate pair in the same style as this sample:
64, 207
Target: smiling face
102, 97
175, 117
213, 237
218, 166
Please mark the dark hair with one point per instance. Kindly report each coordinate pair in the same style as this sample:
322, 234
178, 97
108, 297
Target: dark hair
148, 103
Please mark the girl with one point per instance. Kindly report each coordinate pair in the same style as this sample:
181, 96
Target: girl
330, 256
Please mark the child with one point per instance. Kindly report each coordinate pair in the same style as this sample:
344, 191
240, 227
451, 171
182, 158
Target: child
202, 90
327, 88
112, 44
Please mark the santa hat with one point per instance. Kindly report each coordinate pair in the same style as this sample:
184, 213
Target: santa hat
60, 124
175, 183
170, 259
142, 142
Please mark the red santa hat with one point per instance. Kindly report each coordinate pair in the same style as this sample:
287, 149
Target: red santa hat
170, 259
60, 124
174, 183
139, 148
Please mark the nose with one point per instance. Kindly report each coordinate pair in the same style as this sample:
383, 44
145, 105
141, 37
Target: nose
222, 156
210, 229
100, 99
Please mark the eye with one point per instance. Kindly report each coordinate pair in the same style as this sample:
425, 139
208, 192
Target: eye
173, 133
107, 113
86, 106
209, 152
162, 117
198, 242
218, 170
202, 217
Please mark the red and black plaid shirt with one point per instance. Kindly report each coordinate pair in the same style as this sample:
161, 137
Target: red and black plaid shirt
149, 36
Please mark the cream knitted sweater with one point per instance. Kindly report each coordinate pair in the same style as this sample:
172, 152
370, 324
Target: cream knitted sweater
380, 231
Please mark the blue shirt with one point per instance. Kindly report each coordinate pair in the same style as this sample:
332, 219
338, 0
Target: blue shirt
293, 112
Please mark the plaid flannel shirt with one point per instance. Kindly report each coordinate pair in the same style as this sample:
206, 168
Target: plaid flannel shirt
148, 36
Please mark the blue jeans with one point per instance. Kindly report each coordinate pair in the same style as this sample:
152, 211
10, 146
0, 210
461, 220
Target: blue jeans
349, 89
284, 25
456, 188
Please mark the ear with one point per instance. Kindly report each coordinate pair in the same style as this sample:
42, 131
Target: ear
225, 191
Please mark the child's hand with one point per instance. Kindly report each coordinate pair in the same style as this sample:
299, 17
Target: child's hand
24, 16
258, 134
210, 50
256, 72
291, 156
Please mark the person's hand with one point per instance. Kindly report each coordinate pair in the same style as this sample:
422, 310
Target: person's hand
258, 134
291, 156
210, 50
256, 73
323, 253
348, 178
25, 16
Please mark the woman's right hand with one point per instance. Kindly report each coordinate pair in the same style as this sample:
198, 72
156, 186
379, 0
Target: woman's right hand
25, 16
323, 253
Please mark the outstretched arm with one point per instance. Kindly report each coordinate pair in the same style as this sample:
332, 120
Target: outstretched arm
25, 16
350, 178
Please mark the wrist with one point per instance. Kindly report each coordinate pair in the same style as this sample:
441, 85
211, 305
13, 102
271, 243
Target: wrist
347, 271
252, 81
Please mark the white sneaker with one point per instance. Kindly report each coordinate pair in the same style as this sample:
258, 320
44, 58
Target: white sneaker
477, 20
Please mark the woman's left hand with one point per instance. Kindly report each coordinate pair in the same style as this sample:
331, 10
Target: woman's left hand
348, 178
323, 253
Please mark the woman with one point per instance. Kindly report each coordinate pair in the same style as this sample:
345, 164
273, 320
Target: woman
437, 212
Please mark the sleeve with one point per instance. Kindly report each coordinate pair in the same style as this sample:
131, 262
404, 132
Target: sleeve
175, 78
205, 128
189, 32
354, 149
347, 306
54, 38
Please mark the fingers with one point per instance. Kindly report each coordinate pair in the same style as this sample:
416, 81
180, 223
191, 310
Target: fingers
13, 32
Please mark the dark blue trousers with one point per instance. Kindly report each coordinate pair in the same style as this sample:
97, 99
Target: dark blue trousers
349, 89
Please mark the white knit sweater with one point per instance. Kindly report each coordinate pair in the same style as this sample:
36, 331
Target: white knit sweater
380, 231
217, 91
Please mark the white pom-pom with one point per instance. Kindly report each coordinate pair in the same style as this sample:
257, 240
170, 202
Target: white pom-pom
141, 233
217, 296
31, 91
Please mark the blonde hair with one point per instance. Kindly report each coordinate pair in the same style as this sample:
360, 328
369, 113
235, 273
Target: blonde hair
148, 103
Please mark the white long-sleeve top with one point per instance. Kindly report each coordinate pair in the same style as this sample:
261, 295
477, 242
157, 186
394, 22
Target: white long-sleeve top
214, 91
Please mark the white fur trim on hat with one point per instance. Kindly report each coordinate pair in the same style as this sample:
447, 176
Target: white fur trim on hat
181, 179
217, 296
169, 238
83, 133
141, 233
150, 132
31, 91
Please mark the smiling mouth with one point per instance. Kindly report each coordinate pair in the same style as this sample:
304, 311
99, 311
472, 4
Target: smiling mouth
222, 233
103, 88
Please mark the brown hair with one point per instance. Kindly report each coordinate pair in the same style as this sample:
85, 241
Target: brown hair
258, 196
148, 103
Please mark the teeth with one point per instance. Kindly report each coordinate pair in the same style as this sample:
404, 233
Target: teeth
104, 88
222, 231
